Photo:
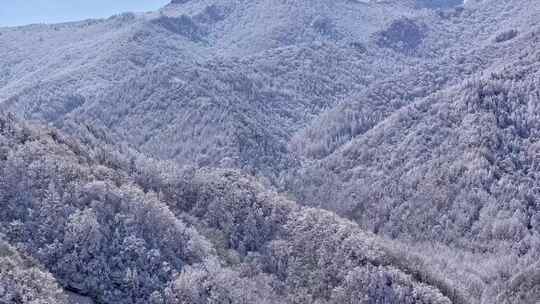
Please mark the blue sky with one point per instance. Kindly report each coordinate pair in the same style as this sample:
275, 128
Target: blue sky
20, 12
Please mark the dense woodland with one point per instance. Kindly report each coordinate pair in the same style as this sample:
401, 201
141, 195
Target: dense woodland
274, 152
119, 228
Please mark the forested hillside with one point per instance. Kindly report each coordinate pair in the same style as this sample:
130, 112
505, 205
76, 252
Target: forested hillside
245, 76
476, 138
122, 228
274, 152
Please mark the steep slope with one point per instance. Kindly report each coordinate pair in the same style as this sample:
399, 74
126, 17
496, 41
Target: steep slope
418, 124
457, 167
464, 43
195, 64
456, 164
216, 71
237, 113
126, 229
49, 70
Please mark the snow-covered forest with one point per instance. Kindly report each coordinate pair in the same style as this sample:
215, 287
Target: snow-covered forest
233, 151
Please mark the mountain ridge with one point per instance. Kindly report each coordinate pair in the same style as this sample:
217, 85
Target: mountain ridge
186, 154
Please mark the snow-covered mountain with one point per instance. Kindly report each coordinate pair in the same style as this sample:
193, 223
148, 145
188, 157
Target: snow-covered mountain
252, 70
185, 150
